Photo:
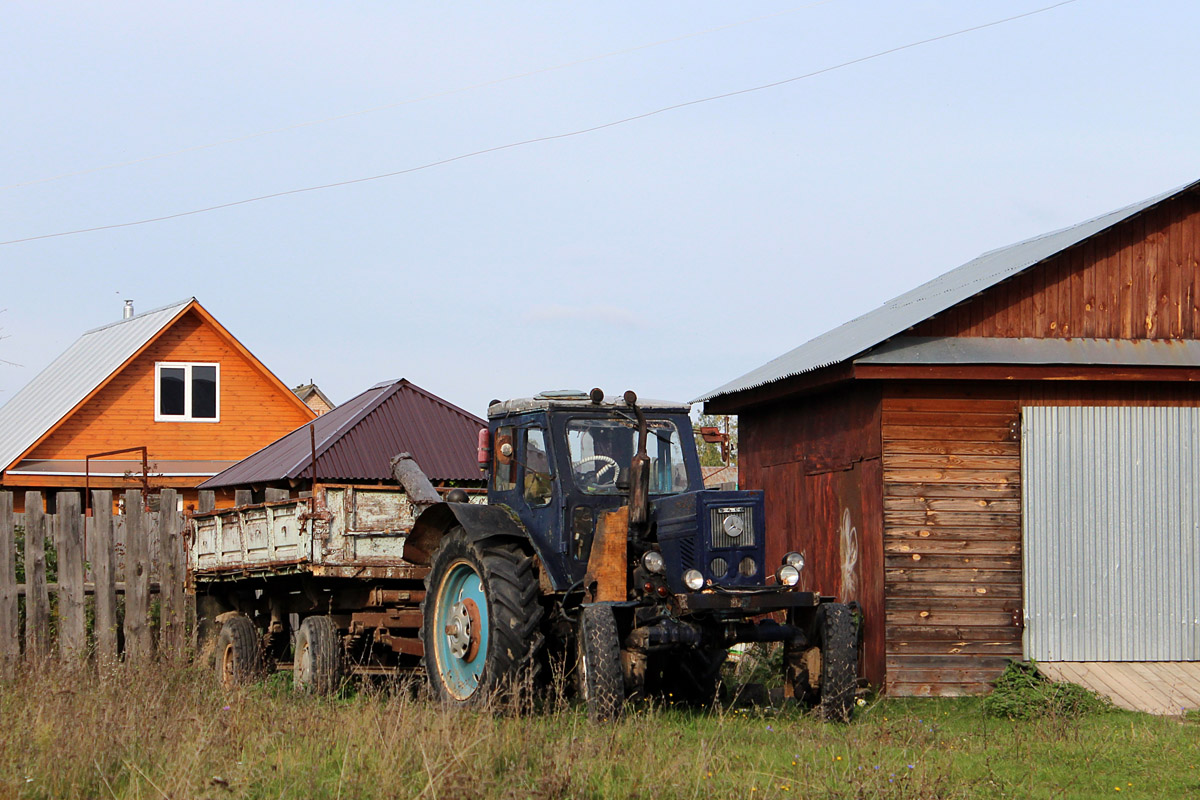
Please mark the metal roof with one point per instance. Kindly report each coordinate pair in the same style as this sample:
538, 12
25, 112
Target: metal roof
357, 440
71, 377
901, 313
920, 350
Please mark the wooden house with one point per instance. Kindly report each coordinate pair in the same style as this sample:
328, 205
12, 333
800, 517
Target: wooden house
171, 386
1003, 463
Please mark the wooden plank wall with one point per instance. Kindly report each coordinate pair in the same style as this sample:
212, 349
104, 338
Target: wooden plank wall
817, 461
139, 555
951, 536
1140, 280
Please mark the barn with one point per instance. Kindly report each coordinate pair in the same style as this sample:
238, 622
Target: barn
1003, 463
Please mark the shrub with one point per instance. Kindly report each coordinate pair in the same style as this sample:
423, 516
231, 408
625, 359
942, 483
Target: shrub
1024, 693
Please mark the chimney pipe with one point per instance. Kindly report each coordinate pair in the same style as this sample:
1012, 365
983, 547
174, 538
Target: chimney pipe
128, 312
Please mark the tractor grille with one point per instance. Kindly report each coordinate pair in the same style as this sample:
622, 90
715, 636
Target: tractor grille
687, 553
718, 567
719, 519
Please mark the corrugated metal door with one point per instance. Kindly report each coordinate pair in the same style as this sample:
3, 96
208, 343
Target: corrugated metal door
1111, 522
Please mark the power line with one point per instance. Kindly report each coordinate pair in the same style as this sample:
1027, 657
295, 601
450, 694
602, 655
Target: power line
410, 101
549, 138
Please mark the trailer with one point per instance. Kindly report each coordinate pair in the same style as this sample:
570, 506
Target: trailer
327, 570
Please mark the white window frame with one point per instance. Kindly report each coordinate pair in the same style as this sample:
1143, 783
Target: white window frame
186, 366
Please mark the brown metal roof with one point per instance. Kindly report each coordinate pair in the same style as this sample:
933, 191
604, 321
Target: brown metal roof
357, 440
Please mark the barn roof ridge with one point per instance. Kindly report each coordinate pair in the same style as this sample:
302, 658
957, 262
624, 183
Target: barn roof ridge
897, 315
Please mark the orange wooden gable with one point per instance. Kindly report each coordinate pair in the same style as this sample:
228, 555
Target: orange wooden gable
256, 408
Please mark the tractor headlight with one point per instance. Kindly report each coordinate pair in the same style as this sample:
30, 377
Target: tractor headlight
653, 562
788, 575
695, 581
795, 560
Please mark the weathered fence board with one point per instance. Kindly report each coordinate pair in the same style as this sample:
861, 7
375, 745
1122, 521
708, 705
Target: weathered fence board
104, 575
10, 632
135, 553
37, 596
138, 642
72, 624
172, 637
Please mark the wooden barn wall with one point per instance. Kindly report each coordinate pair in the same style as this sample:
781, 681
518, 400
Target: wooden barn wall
952, 521
1140, 280
817, 461
952, 535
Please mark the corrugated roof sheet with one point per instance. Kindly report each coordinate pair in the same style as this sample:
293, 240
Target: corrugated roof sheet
87, 363
978, 350
357, 440
900, 314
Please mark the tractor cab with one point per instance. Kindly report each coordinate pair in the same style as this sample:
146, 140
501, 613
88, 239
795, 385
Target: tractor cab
561, 459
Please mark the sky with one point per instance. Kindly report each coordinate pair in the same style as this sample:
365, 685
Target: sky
668, 254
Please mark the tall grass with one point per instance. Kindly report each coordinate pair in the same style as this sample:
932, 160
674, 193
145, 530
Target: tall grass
171, 732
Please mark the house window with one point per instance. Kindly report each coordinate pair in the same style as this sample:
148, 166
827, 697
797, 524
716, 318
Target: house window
187, 392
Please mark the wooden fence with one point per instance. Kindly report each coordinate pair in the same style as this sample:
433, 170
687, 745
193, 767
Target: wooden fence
130, 566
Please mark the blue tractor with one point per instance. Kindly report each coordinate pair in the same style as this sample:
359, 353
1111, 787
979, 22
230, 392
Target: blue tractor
601, 549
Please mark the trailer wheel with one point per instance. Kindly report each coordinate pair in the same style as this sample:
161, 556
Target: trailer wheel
838, 662
480, 619
601, 680
239, 659
317, 667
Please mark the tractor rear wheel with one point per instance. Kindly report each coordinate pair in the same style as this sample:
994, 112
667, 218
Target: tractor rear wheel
239, 659
601, 680
480, 619
317, 667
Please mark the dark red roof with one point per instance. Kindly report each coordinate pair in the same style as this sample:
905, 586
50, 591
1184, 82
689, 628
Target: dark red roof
357, 440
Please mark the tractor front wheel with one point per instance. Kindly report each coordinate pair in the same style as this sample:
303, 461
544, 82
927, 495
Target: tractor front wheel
601, 680
825, 674
481, 618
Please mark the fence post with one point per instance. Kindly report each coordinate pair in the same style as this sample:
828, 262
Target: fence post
208, 500
72, 625
37, 594
138, 642
104, 574
171, 637
242, 497
10, 630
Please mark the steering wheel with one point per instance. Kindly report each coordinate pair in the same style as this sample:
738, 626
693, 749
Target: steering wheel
608, 464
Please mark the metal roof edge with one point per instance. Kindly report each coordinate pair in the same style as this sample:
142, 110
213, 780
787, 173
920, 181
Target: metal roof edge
914, 296
159, 310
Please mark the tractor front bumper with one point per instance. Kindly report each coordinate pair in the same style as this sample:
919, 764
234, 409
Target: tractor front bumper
753, 601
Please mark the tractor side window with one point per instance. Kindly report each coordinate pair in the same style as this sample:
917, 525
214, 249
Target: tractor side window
504, 471
538, 488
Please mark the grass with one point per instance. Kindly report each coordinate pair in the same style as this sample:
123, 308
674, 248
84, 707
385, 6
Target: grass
170, 732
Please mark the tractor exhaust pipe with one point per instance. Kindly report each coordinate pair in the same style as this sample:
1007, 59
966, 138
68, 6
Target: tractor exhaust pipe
639, 470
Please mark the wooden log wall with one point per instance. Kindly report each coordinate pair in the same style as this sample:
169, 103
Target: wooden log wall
951, 536
139, 556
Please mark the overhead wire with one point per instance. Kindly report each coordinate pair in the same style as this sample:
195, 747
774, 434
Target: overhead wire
548, 138
412, 100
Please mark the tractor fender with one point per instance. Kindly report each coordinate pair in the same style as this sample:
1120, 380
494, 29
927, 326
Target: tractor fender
479, 522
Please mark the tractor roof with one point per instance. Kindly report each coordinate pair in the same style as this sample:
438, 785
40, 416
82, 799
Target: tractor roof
569, 399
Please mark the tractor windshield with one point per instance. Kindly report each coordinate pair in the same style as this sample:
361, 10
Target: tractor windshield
601, 451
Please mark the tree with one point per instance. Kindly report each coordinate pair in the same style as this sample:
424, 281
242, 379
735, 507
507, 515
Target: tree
717, 439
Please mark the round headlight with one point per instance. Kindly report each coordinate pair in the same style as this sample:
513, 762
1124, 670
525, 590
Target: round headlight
788, 575
794, 559
653, 562
695, 581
